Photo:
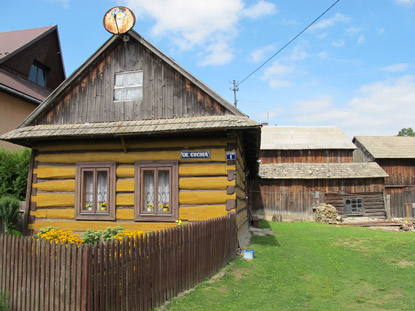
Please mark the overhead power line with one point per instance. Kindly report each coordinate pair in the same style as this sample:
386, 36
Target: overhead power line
287, 44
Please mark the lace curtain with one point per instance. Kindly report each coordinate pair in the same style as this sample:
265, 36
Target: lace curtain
128, 86
163, 187
102, 187
89, 190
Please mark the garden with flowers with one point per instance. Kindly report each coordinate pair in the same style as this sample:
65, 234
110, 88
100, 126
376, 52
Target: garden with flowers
90, 237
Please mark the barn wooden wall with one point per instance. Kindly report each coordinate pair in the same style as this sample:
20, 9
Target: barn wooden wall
400, 185
206, 186
295, 198
166, 93
306, 156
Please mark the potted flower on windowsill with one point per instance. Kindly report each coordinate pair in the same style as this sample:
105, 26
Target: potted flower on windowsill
88, 206
165, 207
150, 207
103, 206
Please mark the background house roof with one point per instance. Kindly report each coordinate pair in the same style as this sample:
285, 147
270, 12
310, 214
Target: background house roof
304, 137
30, 89
159, 126
321, 170
11, 41
388, 147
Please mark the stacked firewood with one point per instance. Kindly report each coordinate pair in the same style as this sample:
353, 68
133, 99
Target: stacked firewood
326, 213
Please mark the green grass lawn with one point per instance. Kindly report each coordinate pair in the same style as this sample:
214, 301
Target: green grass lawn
309, 266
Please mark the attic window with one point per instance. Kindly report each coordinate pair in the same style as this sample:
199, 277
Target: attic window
37, 74
128, 86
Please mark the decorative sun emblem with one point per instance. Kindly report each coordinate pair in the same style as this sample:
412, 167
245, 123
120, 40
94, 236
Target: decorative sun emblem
119, 20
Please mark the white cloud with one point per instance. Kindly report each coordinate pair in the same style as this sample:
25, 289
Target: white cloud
276, 69
396, 67
261, 8
218, 53
298, 53
380, 108
339, 43
361, 39
267, 116
277, 75
329, 22
409, 3
353, 31
289, 22
208, 25
258, 55
323, 55
322, 35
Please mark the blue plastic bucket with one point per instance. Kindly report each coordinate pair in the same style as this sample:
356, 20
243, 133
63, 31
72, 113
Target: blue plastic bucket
248, 254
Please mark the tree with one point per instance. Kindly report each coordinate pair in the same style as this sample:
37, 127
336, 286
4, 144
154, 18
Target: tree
406, 132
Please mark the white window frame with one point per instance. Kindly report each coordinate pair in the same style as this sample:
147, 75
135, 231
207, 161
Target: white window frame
128, 86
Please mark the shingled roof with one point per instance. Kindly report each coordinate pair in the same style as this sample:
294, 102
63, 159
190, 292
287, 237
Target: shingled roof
12, 41
387, 147
304, 137
14, 44
321, 171
123, 128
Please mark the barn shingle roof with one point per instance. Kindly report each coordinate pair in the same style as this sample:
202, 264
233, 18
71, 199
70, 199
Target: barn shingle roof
304, 137
321, 170
388, 147
122, 128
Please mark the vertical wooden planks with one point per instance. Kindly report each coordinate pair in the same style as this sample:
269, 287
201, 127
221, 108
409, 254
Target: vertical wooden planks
139, 274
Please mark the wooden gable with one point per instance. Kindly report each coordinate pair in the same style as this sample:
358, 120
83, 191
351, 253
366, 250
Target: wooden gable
168, 90
43, 49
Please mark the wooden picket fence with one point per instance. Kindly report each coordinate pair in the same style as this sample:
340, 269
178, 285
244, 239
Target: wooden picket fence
133, 274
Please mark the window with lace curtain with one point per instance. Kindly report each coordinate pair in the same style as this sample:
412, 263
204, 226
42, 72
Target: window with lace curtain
156, 191
128, 86
95, 191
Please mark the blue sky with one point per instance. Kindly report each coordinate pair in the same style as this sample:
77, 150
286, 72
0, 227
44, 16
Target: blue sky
355, 68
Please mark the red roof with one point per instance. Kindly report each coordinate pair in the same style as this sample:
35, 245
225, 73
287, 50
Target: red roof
23, 86
13, 40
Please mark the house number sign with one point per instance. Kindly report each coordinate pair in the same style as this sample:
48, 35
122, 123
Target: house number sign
231, 155
195, 155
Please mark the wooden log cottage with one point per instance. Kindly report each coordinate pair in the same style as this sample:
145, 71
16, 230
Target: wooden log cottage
302, 167
133, 139
396, 155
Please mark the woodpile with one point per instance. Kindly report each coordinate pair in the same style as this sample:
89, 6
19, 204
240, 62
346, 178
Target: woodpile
326, 213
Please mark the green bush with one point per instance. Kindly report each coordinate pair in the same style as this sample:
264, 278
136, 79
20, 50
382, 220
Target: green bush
4, 301
92, 237
14, 166
9, 212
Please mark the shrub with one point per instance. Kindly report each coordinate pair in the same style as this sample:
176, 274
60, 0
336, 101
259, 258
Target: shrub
92, 237
14, 166
9, 212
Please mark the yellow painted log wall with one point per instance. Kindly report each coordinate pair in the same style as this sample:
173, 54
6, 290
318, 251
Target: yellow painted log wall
202, 183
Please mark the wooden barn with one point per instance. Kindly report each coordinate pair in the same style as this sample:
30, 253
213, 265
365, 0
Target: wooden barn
396, 155
31, 67
133, 139
302, 167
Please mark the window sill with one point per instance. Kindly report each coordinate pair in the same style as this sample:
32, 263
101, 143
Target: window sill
95, 217
154, 218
